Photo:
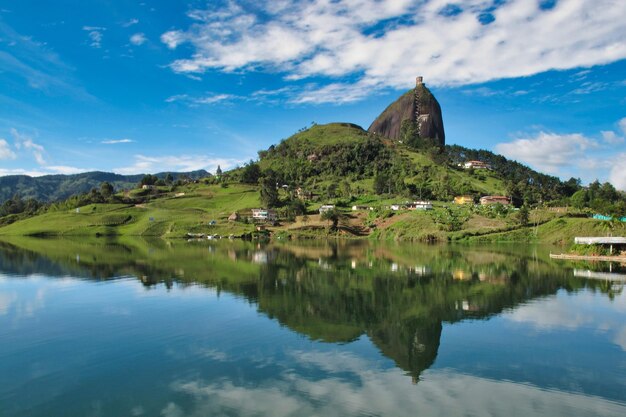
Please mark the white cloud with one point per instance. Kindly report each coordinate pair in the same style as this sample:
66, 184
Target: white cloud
19, 171
95, 34
5, 150
386, 43
116, 141
611, 137
173, 38
622, 125
548, 152
573, 154
64, 169
207, 99
138, 39
48, 170
617, 175
130, 22
23, 141
151, 164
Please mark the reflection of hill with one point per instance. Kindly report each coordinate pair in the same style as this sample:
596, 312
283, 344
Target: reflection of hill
398, 296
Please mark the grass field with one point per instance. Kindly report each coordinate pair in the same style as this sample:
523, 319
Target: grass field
165, 217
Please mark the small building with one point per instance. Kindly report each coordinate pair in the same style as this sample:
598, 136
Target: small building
303, 194
326, 207
233, 217
420, 205
361, 208
464, 199
264, 215
397, 207
148, 187
495, 199
476, 165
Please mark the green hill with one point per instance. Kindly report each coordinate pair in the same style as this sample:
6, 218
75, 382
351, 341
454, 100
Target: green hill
338, 152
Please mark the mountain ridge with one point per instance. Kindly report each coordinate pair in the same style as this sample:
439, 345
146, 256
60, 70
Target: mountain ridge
56, 187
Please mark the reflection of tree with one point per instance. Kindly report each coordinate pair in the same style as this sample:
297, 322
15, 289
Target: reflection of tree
335, 292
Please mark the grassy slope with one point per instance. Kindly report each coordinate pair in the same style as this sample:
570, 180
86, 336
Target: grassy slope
169, 216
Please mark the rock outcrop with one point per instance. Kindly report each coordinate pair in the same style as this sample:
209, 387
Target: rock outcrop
418, 106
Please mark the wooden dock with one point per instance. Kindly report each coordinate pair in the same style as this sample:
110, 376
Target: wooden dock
588, 257
603, 240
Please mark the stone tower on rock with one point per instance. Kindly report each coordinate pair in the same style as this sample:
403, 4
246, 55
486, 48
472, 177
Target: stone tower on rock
417, 105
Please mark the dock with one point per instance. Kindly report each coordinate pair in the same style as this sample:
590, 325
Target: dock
588, 257
603, 240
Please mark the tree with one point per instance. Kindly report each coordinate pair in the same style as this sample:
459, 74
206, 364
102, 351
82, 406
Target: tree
169, 179
523, 215
148, 180
331, 191
346, 189
106, 189
579, 199
218, 171
381, 183
332, 216
251, 173
269, 193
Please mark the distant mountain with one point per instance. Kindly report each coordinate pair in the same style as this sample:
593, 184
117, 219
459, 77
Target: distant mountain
60, 187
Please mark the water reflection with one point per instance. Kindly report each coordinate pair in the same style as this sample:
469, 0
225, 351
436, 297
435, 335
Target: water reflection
350, 296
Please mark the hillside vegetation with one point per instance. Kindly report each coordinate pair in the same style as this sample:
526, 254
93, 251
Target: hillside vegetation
341, 165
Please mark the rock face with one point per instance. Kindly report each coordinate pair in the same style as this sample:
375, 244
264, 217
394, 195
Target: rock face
417, 105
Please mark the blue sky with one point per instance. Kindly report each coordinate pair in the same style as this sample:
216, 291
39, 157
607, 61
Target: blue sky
146, 86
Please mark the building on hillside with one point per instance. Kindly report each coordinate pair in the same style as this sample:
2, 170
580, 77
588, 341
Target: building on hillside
303, 194
264, 215
397, 207
361, 208
420, 205
495, 199
148, 187
326, 207
233, 217
476, 165
464, 199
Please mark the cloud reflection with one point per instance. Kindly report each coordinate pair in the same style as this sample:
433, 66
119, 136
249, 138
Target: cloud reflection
383, 392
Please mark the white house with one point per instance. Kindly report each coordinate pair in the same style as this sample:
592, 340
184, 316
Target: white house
476, 165
264, 215
420, 205
326, 207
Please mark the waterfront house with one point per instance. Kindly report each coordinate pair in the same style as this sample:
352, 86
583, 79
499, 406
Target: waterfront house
264, 215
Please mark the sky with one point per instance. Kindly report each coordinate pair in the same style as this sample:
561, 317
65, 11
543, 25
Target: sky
148, 86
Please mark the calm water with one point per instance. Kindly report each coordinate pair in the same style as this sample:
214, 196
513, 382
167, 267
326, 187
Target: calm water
237, 329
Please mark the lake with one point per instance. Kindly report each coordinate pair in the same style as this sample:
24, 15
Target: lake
230, 328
